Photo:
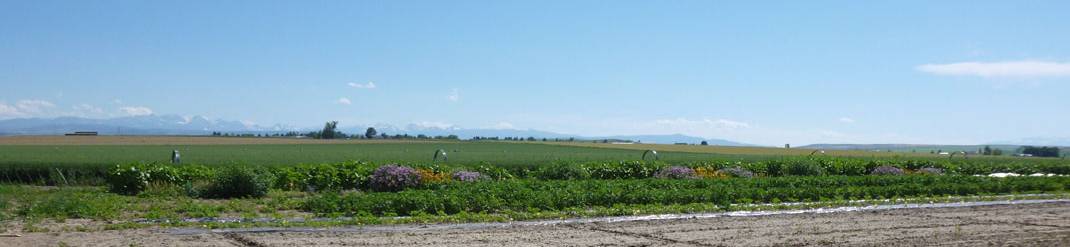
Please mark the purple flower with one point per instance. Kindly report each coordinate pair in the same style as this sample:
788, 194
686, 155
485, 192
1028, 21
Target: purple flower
394, 178
676, 172
467, 176
738, 172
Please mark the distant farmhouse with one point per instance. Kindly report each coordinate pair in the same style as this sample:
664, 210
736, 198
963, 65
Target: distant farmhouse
82, 133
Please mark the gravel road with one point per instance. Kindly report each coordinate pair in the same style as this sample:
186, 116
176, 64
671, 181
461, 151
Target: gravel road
1041, 224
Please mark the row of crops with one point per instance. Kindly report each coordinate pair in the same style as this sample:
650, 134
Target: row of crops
540, 195
351, 175
387, 189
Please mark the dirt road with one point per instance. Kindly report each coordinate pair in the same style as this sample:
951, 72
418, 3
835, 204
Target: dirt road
1044, 224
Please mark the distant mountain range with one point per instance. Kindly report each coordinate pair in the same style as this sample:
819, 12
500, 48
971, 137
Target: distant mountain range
922, 148
1040, 141
197, 125
135, 125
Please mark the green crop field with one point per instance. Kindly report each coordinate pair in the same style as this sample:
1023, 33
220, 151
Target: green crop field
106, 151
497, 153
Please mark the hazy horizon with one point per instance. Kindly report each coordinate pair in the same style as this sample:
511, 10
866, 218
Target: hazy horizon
918, 72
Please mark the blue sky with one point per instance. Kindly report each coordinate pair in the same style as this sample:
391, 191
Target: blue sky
957, 72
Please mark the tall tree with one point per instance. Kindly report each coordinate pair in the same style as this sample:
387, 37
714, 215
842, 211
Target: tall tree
370, 133
329, 130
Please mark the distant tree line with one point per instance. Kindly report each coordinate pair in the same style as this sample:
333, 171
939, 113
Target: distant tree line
987, 150
1040, 151
532, 139
330, 131
276, 134
517, 138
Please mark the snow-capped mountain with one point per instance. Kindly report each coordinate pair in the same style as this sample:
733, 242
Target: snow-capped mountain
147, 124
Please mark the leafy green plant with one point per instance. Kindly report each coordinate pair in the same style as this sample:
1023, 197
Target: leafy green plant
562, 172
240, 182
803, 169
887, 171
128, 179
553, 195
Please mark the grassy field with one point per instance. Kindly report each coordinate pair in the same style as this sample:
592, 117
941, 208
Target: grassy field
107, 150
730, 150
268, 151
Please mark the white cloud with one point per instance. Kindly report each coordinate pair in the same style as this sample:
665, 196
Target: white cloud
136, 110
369, 85
33, 106
27, 108
7, 111
846, 120
454, 96
344, 101
999, 69
703, 123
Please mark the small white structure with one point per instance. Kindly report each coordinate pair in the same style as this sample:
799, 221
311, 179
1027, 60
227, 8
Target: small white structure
175, 157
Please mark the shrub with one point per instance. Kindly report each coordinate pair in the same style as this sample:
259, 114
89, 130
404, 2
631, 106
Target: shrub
804, 169
238, 181
738, 172
676, 172
128, 179
622, 169
562, 172
886, 171
494, 172
322, 177
467, 176
392, 178
524, 195
930, 171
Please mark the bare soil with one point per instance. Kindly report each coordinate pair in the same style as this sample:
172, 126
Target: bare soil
1042, 224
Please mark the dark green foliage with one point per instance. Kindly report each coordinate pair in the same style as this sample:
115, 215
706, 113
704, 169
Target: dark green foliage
128, 179
622, 169
492, 172
887, 171
239, 182
131, 179
1041, 151
370, 133
525, 195
562, 172
324, 177
803, 169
